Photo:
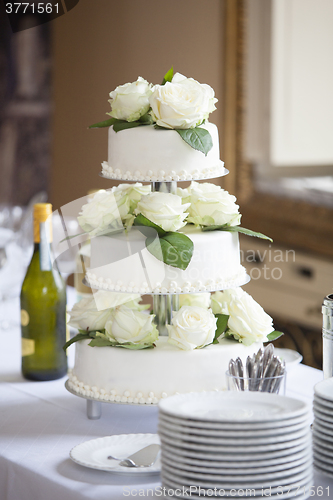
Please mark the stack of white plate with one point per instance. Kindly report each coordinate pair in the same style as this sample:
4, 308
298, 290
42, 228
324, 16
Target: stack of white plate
323, 426
225, 443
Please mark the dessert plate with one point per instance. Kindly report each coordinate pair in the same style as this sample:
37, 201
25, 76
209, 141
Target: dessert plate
295, 491
232, 441
318, 440
233, 406
94, 454
324, 389
326, 431
322, 416
230, 433
197, 455
241, 474
323, 423
248, 467
291, 357
323, 402
228, 483
229, 426
323, 409
232, 449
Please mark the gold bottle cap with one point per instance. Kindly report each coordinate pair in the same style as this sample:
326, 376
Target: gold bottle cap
42, 213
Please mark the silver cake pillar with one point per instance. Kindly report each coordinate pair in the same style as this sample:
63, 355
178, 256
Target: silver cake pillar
163, 305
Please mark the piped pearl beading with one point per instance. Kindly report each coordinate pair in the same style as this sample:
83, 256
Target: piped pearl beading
160, 176
100, 283
113, 396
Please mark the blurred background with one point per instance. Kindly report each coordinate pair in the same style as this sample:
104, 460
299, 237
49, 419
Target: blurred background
271, 66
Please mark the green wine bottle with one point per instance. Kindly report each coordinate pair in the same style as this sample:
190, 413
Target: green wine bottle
43, 307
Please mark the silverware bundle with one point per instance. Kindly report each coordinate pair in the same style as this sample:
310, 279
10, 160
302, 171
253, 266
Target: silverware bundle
263, 371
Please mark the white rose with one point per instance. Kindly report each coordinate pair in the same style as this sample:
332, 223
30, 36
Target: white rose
128, 196
192, 327
248, 322
130, 101
102, 212
194, 300
93, 313
164, 209
128, 325
182, 103
212, 205
85, 316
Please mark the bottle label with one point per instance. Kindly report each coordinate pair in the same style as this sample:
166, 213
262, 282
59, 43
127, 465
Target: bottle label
24, 317
28, 347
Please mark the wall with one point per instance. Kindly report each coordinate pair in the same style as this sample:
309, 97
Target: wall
101, 44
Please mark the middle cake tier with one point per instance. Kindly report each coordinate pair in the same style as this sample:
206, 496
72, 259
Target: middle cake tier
121, 262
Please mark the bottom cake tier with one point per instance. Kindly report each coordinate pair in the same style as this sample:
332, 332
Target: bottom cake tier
145, 376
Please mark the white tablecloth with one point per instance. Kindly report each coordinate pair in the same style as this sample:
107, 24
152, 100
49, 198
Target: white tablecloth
40, 422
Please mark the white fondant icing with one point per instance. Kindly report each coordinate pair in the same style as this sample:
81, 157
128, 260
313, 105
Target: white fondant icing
215, 264
148, 375
149, 154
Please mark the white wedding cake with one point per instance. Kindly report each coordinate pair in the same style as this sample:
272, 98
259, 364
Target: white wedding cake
167, 241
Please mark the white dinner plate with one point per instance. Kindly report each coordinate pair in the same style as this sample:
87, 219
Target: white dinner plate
291, 357
237, 474
94, 454
233, 406
287, 461
324, 389
317, 433
322, 429
233, 450
294, 491
322, 462
231, 441
323, 423
323, 471
323, 416
269, 455
320, 441
323, 402
234, 426
231, 433
322, 408
324, 454
228, 482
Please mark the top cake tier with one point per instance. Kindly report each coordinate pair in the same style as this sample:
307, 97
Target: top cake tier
154, 155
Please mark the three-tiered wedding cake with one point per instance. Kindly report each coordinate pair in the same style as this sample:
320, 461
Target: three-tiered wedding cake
163, 240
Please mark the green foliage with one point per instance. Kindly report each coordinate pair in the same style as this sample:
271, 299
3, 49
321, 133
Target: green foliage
198, 138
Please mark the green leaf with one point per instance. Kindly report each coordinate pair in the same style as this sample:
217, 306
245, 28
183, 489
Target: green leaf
105, 123
221, 326
136, 346
102, 342
146, 119
141, 220
198, 138
80, 336
274, 335
168, 76
237, 229
174, 249
123, 125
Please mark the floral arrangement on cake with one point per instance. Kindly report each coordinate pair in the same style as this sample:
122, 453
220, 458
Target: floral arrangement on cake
203, 319
179, 103
205, 205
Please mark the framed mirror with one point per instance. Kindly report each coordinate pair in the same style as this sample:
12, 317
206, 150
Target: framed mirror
299, 222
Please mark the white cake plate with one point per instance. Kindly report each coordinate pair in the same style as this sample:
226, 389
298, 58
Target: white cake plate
94, 405
220, 173
232, 284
